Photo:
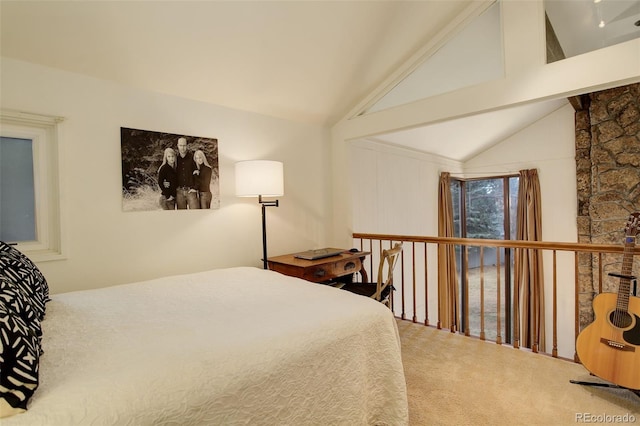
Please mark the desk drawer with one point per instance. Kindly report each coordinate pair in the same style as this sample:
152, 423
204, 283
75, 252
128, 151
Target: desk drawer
329, 271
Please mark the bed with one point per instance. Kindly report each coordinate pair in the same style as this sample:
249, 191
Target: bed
228, 346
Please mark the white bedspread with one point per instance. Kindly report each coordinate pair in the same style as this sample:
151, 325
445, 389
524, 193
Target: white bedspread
223, 347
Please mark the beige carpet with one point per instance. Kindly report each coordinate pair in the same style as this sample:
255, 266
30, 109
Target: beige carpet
457, 380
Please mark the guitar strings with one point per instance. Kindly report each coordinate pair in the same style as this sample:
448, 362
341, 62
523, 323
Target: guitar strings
619, 315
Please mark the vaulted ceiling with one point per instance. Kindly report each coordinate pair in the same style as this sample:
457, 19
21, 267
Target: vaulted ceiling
308, 61
302, 60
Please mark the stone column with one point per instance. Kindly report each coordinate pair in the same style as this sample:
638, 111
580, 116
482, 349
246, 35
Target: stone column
608, 182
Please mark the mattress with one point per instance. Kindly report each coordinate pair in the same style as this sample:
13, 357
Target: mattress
227, 346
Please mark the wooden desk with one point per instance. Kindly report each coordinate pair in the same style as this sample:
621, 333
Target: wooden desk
320, 270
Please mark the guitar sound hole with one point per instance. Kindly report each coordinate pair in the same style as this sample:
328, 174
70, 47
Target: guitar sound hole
620, 319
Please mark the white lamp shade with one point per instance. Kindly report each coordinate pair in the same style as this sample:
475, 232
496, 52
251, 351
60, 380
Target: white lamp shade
259, 177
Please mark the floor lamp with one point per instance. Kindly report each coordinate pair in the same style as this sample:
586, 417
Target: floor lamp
260, 178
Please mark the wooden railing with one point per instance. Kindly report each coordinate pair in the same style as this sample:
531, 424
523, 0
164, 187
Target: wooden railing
487, 298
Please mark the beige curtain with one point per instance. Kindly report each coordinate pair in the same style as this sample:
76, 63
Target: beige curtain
448, 307
529, 279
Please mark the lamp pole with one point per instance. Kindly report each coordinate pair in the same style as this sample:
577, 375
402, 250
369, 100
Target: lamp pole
260, 178
265, 204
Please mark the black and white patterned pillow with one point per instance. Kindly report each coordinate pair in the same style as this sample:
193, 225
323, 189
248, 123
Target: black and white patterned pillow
19, 304
19, 269
19, 359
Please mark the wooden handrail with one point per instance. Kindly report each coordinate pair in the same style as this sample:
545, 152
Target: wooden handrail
562, 246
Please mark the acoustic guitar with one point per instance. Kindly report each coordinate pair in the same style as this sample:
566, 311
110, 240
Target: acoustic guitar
610, 346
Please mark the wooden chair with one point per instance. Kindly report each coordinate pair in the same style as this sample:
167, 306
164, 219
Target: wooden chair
380, 290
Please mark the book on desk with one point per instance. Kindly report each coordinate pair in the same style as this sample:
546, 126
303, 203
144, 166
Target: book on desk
318, 253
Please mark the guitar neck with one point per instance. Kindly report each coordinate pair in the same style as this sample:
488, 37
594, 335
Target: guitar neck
624, 289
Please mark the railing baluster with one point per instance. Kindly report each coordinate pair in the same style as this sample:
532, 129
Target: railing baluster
371, 259
482, 335
600, 273
516, 299
499, 323
401, 279
413, 279
426, 287
465, 297
554, 351
576, 302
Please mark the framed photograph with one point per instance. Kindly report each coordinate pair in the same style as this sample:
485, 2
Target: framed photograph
166, 171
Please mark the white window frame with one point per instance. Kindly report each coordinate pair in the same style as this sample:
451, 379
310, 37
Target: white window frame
43, 132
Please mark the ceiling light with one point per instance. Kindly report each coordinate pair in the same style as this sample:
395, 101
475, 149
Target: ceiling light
601, 24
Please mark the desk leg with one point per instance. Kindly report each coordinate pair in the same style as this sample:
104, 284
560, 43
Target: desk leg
363, 271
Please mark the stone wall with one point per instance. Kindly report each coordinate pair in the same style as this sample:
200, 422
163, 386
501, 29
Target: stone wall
608, 181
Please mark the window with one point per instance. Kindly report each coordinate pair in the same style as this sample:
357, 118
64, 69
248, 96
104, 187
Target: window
486, 208
17, 196
29, 190
471, 56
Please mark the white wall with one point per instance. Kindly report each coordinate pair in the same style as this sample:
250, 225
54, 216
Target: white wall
395, 190
104, 245
549, 146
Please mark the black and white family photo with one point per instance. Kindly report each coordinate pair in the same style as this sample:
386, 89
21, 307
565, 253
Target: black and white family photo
165, 171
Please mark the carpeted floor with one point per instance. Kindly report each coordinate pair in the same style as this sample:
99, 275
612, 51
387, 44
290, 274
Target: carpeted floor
457, 380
